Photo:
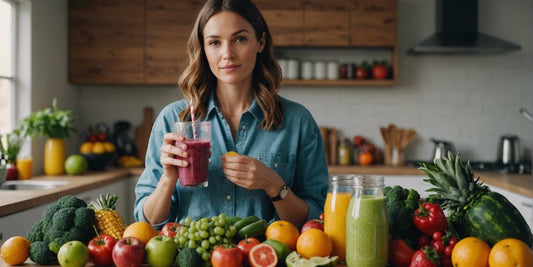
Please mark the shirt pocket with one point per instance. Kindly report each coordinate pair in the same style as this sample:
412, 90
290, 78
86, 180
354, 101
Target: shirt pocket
282, 163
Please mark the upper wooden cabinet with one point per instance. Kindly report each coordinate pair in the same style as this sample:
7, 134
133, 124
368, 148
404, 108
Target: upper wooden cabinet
285, 19
168, 26
106, 42
145, 41
373, 22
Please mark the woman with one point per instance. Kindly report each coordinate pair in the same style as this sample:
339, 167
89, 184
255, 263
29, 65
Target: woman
233, 79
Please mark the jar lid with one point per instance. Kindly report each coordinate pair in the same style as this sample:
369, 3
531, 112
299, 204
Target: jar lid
367, 181
344, 179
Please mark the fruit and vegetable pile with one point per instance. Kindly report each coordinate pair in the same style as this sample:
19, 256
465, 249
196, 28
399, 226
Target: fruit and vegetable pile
462, 224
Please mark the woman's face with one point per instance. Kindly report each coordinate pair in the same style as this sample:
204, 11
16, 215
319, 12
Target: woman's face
231, 47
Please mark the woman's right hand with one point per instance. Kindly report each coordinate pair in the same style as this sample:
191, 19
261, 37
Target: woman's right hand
170, 150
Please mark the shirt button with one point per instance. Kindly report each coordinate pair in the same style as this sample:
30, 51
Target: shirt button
228, 197
243, 127
275, 165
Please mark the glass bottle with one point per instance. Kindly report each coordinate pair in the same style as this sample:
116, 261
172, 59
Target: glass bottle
337, 201
367, 224
345, 152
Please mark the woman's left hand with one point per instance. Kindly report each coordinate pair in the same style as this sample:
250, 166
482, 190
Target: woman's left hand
250, 173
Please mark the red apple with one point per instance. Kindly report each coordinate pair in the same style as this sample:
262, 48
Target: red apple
128, 252
313, 224
101, 250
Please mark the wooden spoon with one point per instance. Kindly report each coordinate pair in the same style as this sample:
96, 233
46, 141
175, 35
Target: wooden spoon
409, 135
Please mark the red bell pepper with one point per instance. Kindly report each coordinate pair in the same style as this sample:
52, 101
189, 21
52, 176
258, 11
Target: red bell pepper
429, 218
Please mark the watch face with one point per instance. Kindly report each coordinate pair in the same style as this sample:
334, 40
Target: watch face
283, 192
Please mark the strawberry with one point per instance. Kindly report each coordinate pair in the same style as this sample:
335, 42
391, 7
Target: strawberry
425, 257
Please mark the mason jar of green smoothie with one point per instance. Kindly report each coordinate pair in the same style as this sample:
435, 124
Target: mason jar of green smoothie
367, 225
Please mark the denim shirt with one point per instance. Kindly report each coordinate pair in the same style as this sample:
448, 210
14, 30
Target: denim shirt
295, 152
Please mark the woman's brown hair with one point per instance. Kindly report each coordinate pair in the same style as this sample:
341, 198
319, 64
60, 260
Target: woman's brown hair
197, 80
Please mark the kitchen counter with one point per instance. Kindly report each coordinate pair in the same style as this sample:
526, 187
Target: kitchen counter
15, 201
517, 183
12, 201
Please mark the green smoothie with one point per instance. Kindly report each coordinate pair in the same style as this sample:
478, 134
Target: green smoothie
367, 232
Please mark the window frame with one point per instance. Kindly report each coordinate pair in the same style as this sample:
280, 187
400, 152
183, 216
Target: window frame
12, 80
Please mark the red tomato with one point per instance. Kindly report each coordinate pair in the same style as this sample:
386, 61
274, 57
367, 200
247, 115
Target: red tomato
224, 256
439, 246
437, 236
101, 250
452, 241
380, 72
245, 245
361, 73
92, 138
170, 229
102, 137
400, 253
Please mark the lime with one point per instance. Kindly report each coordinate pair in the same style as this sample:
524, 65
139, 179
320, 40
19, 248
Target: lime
281, 249
76, 164
294, 260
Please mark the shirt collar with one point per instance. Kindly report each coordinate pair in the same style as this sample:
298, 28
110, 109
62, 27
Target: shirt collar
255, 110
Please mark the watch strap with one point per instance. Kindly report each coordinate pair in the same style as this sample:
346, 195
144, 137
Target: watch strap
279, 196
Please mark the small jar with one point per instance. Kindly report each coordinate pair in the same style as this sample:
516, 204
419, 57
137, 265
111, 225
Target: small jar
367, 224
350, 71
307, 70
333, 70
343, 71
293, 69
320, 70
283, 64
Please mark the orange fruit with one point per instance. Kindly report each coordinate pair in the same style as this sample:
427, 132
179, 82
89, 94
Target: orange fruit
510, 252
284, 232
314, 242
231, 153
141, 230
15, 250
98, 148
109, 147
470, 252
365, 158
263, 255
86, 148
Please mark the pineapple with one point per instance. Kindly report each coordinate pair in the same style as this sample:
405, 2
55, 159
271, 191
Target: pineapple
475, 210
107, 219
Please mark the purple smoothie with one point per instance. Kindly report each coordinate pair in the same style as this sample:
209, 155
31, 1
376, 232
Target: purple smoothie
195, 174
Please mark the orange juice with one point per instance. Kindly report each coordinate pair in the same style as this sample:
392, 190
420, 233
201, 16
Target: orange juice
24, 168
335, 221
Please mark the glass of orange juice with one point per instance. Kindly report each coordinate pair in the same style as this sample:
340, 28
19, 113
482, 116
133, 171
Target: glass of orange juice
337, 201
24, 167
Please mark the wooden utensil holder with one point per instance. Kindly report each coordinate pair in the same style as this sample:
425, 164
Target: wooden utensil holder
394, 156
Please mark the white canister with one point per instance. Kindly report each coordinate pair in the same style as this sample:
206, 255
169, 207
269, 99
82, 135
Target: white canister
307, 70
333, 70
293, 69
320, 70
283, 64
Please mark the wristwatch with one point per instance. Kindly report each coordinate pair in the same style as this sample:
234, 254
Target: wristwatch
283, 190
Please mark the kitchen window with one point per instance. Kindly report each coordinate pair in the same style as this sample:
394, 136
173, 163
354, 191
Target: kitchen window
8, 40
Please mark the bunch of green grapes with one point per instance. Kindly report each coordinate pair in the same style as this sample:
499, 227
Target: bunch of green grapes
205, 234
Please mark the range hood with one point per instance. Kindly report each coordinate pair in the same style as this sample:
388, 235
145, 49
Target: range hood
457, 32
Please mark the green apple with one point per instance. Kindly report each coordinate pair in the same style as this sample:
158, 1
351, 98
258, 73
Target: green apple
73, 254
76, 164
161, 251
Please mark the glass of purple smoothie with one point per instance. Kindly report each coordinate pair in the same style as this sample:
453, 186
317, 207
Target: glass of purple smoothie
197, 138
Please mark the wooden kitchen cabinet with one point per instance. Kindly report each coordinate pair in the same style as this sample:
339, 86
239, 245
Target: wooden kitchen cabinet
373, 23
326, 23
285, 19
106, 41
168, 26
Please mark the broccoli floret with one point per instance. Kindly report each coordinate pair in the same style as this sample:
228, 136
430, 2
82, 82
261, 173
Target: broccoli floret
41, 254
188, 257
401, 204
53, 233
35, 233
83, 235
71, 201
50, 210
84, 218
63, 219
57, 243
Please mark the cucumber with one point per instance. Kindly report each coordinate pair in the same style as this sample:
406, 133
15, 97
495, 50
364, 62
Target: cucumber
254, 229
234, 219
248, 220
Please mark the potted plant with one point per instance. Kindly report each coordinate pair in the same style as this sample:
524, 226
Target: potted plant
9, 152
55, 125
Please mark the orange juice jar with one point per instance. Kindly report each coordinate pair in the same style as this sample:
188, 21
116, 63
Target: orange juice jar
337, 201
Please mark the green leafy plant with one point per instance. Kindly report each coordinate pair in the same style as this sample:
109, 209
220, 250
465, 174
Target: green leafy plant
13, 143
50, 123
